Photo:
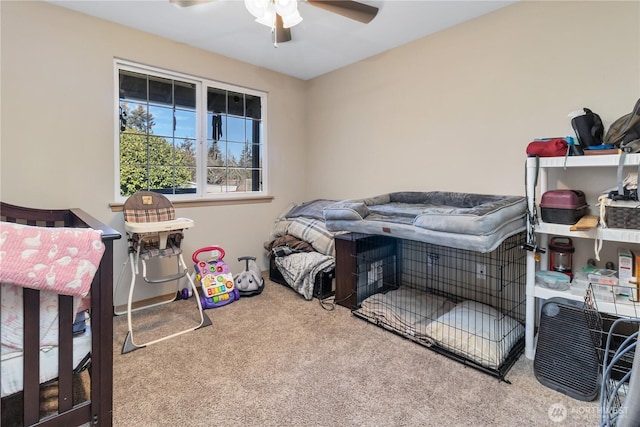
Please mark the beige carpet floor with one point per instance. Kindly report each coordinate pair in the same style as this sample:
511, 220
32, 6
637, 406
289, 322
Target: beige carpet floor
278, 360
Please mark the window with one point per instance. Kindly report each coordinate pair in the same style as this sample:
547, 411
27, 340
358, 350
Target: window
187, 137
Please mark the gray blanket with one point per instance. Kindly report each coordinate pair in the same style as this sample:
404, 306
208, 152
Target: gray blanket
299, 270
312, 209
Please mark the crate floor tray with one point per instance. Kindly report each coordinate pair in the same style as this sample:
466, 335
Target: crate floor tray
477, 222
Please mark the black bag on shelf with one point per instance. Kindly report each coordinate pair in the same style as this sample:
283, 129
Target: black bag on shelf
589, 128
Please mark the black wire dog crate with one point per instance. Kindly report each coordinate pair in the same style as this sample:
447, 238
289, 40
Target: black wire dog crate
467, 305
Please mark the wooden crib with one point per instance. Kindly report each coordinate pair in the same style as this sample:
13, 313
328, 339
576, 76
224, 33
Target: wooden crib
97, 410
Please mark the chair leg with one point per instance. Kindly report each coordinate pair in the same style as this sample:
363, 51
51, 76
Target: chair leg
204, 318
129, 343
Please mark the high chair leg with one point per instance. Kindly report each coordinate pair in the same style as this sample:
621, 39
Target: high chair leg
129, 343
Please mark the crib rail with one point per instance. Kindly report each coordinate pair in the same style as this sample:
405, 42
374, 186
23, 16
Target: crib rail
98, 409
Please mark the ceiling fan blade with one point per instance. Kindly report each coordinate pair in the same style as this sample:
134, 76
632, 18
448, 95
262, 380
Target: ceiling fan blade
282, 34
187, 3
349, 9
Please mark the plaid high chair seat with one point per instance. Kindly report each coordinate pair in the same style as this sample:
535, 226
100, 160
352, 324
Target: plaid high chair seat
153, 231
152, 220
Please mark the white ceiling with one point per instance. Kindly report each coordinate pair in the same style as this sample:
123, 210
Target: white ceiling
322, 42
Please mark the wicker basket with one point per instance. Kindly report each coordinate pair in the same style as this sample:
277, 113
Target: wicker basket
627, 216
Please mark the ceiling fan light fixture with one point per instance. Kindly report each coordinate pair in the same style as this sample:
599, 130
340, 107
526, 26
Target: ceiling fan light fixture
286, 7
292, 19
257, 8
265, 11
288, 10
268, 18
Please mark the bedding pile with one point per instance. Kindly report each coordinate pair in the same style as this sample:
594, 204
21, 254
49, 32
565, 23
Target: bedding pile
299, 270
302, 245
471, 329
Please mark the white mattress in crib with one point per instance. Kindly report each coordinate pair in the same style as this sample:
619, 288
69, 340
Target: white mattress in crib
12, 370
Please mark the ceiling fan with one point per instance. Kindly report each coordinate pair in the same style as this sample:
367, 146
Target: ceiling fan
350, 9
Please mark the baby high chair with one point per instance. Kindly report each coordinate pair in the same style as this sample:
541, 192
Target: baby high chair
153, 231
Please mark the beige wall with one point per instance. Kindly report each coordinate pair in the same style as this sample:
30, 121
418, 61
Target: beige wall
455, 110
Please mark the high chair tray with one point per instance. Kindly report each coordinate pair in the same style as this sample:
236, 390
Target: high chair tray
151, 227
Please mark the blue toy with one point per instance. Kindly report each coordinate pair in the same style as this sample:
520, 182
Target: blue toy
215, 278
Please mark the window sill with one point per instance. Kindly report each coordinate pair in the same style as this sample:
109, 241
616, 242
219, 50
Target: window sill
196, 203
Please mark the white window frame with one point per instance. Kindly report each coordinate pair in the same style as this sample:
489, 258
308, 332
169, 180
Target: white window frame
201, 132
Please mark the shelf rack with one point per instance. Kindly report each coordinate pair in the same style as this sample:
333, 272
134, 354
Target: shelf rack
538, 169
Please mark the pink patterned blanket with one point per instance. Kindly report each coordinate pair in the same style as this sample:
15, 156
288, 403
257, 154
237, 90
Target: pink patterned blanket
56, 259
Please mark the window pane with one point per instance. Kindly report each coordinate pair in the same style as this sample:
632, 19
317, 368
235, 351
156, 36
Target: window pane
235, 178
133, 149
137, 116
189, 186
216, 100
184, 94
256, 180
236, 103
238, 154
235, 128
187, 148
253, 106
161, 178
160, 151
216, 179
192, 181
249, 126
160, 120
243, 180
185, 124
133, 86
255, 155
227, 160
132, 179
160, 91
215, 153
252, 180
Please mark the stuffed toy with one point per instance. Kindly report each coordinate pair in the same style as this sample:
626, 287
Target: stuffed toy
250, 281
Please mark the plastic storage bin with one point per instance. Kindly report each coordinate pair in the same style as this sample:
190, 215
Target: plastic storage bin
553, 280
563, 206
580, 285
